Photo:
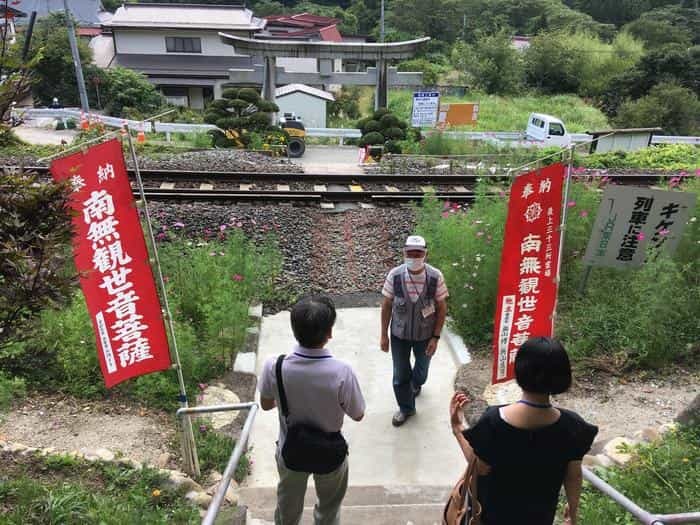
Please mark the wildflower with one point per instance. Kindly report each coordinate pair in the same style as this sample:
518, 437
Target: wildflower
212, 254
446, 205
161, 236
571, 204
178, 225
685, 460
237, 277
202, 428
640, 236
464, 305
165, 279
501, 194
474, 274
222, 253
222, 227
697, 172
693, 219
455, 264
584, 213
445, 214
664, 232
479, 234
155, 493
202, 386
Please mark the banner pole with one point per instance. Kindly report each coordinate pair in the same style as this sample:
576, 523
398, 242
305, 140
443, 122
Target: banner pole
562, 229
189, 447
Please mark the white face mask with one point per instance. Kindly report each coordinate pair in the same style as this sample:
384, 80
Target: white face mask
415, 264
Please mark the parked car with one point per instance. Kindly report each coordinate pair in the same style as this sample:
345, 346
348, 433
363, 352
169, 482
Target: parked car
547, 129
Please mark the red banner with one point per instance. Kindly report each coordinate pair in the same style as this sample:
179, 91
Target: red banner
527, 287
112, 260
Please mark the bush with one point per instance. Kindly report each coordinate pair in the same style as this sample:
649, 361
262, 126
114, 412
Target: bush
674, 108
662, 478
210, 287
372, 138
10, 388
129, 92
669, 157
634, 329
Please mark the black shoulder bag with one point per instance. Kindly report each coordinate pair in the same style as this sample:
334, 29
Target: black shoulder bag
307, 448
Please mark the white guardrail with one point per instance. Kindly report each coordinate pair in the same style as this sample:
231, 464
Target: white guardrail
340, 133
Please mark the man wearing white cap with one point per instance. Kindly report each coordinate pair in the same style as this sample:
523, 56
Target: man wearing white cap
415, 305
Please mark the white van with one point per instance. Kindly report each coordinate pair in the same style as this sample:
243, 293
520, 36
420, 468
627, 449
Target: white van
547, 129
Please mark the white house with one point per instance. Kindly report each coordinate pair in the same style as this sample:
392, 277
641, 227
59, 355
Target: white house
177, 46
306, 102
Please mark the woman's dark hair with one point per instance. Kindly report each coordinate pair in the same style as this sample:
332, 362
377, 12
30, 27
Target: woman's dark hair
312, 318
542, 366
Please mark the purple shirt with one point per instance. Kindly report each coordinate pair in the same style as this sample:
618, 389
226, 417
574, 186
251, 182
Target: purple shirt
320, 389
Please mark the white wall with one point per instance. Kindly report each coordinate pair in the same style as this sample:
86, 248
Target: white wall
152, 42
298, 65
312, 110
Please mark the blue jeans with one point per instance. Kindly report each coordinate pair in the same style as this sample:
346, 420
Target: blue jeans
406, 379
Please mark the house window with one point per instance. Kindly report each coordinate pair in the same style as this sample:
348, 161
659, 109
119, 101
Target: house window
175, 44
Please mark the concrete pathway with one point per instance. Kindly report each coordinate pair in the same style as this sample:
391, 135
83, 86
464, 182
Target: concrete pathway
330, 159
35, 135
423, 452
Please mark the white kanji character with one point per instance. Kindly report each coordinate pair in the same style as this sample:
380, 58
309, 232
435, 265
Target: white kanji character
101, 261
523, 322
105, 172
530, 265
124, 304
527, 303
102, 231
128, 329
533, 212
527, 191
545, 186
116, 281
116, 252
512, 354
531, 243
134, 351
519, 338
77, 183
98, 206
529, 285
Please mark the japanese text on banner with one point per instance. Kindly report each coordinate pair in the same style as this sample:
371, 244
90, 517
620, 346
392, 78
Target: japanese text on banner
111, 257
527, 282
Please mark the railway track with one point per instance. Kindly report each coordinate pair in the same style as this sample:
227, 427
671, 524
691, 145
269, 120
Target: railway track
313, 188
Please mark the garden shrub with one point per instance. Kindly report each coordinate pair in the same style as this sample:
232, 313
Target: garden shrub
667, 157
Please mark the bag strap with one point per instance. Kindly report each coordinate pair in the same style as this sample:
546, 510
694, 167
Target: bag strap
280, 387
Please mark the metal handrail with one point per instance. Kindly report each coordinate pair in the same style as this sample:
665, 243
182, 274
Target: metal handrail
643, 516
238, 450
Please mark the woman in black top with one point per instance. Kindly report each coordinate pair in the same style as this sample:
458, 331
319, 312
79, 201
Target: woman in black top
528, 449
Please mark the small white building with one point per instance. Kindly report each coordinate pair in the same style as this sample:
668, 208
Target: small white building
306, 102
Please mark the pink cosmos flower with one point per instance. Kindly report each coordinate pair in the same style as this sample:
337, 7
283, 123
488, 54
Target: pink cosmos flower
161, 236
178, 225
664, 232
222, 227
237, 277
202, 428
445, 214
571, 204
584, 213
641, 236
165, 279
446, 205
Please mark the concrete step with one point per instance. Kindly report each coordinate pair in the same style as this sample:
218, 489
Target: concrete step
376, 505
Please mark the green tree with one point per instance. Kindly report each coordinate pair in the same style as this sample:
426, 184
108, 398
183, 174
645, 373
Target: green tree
240, 111
618, 12
35, 232
438, 19
491, 64
682, 24
128, 93
551, 65
674, 108
54, 71
431, 69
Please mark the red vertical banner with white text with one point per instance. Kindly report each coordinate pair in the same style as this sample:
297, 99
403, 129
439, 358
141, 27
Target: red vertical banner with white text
112, 260
527, 287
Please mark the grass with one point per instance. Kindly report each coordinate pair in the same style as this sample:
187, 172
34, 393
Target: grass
663, 478
214, 450
510, 113
57, 490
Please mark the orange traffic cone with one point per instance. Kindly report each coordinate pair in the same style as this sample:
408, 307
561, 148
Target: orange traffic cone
84, 123
141, 136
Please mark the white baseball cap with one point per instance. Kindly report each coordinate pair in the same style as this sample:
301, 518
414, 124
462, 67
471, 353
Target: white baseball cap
415, 242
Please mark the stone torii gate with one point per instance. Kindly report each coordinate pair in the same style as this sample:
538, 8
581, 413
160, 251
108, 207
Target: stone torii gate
269, 75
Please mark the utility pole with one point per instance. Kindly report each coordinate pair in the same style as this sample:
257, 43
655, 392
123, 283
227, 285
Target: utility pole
76, 60
381, 23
